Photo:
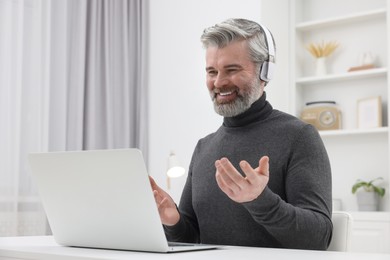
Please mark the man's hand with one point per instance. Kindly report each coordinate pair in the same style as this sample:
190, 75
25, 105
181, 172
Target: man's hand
238, 188
166, 206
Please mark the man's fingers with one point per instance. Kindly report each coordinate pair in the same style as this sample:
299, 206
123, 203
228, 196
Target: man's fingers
153, 183
157, 197
264, 166
237, 187
223, 185
231, 177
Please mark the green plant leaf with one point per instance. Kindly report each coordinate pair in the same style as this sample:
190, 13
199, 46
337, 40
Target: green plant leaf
368, 186
379, 190
358, 185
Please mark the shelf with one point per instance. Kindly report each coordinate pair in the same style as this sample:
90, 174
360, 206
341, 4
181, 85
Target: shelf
313, 21
357, 17
343, 76
354, 132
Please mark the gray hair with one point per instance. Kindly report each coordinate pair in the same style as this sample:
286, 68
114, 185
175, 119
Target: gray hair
232, 30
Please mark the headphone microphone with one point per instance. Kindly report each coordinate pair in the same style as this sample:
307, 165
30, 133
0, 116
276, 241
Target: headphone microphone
268, 66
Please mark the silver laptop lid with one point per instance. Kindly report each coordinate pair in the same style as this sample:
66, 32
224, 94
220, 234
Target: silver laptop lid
99, 199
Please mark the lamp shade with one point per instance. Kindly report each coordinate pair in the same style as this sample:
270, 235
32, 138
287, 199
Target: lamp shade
174, 168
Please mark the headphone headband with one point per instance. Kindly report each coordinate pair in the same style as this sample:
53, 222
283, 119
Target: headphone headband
267, 68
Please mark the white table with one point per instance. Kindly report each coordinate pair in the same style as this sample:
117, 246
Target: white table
44, 247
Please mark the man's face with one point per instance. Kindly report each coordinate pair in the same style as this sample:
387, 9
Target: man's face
232, 79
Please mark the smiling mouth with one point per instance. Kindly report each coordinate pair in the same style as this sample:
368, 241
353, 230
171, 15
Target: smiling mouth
226, 93
224, 97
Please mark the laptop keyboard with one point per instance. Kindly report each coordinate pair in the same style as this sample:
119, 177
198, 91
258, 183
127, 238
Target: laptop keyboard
180, 244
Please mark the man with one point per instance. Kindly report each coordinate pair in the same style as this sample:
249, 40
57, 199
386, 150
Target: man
263, 178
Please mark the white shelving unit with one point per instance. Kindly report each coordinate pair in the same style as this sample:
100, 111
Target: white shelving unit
336, 21
356, 75
356, 132
358, 26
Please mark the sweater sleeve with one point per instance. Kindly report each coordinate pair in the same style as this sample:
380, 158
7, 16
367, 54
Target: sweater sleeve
303, 220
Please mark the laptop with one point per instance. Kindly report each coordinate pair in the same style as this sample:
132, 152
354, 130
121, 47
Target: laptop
101, 199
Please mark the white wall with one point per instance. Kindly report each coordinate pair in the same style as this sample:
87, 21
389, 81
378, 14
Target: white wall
180, 108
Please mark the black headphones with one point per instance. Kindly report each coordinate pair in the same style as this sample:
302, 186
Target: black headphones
267, 68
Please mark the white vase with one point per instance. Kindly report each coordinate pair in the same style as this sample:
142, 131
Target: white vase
321, 66
367, 201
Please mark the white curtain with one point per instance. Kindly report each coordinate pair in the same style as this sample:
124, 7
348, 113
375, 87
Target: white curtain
23, 115
98, 92
72, 77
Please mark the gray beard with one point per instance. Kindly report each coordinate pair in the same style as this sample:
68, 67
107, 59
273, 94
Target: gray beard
240, 104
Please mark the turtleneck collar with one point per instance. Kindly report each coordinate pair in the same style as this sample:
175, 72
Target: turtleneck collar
258, 111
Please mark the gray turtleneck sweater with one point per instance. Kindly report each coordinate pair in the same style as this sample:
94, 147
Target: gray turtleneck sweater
294, 211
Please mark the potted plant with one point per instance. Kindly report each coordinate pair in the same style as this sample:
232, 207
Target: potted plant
369, 194
321, 51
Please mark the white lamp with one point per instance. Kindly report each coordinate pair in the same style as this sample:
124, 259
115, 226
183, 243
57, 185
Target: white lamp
175, 170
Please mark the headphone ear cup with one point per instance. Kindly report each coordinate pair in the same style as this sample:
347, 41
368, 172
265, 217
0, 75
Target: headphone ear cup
267, 68
266, 71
